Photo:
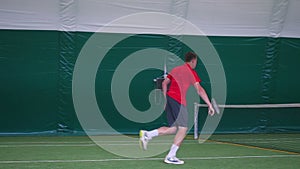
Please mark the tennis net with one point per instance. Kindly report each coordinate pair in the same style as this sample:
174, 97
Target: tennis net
288, 141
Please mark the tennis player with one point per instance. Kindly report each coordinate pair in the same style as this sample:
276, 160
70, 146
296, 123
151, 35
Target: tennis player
179, 79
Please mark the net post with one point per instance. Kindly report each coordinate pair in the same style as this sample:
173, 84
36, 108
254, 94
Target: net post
196, 111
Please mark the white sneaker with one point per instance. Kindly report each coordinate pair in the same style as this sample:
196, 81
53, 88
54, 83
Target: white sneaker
143, 139
173, 160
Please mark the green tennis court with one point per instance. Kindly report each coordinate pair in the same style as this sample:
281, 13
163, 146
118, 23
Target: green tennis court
222, 151
80, 80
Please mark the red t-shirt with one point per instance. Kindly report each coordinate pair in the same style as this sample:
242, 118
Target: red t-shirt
182, 77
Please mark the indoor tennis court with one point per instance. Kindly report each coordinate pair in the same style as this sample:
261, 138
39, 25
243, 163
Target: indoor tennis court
222, 151
80, 80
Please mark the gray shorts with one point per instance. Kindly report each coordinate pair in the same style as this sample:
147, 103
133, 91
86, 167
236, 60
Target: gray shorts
177, 114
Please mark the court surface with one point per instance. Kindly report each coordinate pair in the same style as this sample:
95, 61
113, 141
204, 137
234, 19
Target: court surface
80, 152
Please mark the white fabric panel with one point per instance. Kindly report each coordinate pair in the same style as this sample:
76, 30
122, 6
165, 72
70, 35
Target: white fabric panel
162, 21
279, 12
231, 17
213, 17
67, 19
29, 14
292, 21
93, 14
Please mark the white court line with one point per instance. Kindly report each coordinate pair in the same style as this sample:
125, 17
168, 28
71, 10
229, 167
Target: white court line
258, 139
153, 141
144, 159
131, 143
84, 145
265, 142
83, 142
48, 145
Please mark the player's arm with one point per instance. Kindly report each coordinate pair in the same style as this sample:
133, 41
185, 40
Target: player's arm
202, 93
165, 86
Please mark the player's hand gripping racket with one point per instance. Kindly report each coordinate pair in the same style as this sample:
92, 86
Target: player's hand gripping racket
215, 106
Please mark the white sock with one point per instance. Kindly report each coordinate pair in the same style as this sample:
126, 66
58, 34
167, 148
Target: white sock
173, 150
152, 133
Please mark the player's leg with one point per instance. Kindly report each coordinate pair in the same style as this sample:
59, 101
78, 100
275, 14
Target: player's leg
171, 108
146, 136
171, 157
161, 131
180, 135
182, 122
167, 130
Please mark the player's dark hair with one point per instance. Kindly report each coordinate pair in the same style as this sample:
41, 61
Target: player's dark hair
190, 56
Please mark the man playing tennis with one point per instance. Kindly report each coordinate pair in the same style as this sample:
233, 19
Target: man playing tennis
180, 79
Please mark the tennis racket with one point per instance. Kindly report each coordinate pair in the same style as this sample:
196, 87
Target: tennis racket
215, 106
